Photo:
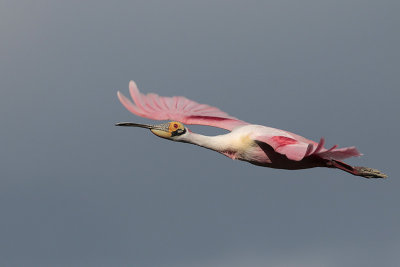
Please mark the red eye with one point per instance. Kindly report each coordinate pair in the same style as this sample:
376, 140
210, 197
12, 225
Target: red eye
176, 125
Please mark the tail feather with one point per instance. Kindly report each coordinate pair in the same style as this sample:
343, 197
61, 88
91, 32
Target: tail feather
333, 152
340, 153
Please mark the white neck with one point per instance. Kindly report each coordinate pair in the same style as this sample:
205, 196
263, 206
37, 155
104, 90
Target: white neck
217, 143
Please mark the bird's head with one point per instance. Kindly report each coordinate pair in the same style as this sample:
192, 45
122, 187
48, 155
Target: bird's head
169, 130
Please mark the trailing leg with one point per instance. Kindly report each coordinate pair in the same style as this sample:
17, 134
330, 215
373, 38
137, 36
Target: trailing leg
356, 170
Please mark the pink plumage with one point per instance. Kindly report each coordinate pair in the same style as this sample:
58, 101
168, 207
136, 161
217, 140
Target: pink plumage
179, 108
257, 144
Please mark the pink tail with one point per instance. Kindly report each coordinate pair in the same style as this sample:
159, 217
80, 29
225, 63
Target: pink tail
334, 152
340, 153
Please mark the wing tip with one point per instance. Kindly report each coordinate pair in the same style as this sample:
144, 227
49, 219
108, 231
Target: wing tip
133, 85
121, 97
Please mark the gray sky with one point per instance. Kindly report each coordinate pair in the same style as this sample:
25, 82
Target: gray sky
77, 191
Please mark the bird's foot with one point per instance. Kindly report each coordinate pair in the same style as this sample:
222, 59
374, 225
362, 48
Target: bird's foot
369, 172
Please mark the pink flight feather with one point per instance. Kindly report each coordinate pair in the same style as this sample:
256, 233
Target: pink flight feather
177, 108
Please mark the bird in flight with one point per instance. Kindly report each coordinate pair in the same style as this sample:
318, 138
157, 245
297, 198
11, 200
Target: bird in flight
257, 144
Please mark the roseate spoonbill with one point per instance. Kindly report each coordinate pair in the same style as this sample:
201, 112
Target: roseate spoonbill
257, 144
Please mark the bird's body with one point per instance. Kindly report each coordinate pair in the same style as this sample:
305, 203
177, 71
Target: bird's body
240, 144
256, 144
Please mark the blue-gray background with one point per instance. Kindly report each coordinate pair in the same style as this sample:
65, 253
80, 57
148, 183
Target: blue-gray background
77, 191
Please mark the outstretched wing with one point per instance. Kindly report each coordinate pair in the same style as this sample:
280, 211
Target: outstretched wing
177, 108
299, 148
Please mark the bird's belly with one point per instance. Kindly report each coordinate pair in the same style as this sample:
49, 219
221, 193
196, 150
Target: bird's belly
254, 155
244, 148
267, 157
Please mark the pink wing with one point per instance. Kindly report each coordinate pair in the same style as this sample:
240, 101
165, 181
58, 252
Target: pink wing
177, 108
299, 149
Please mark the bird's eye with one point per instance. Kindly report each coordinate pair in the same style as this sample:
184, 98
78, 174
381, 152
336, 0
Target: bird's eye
173, 126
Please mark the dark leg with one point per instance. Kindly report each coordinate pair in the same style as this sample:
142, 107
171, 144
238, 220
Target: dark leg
356, 170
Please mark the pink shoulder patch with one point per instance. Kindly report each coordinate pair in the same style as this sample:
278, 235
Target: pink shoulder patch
283, 140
